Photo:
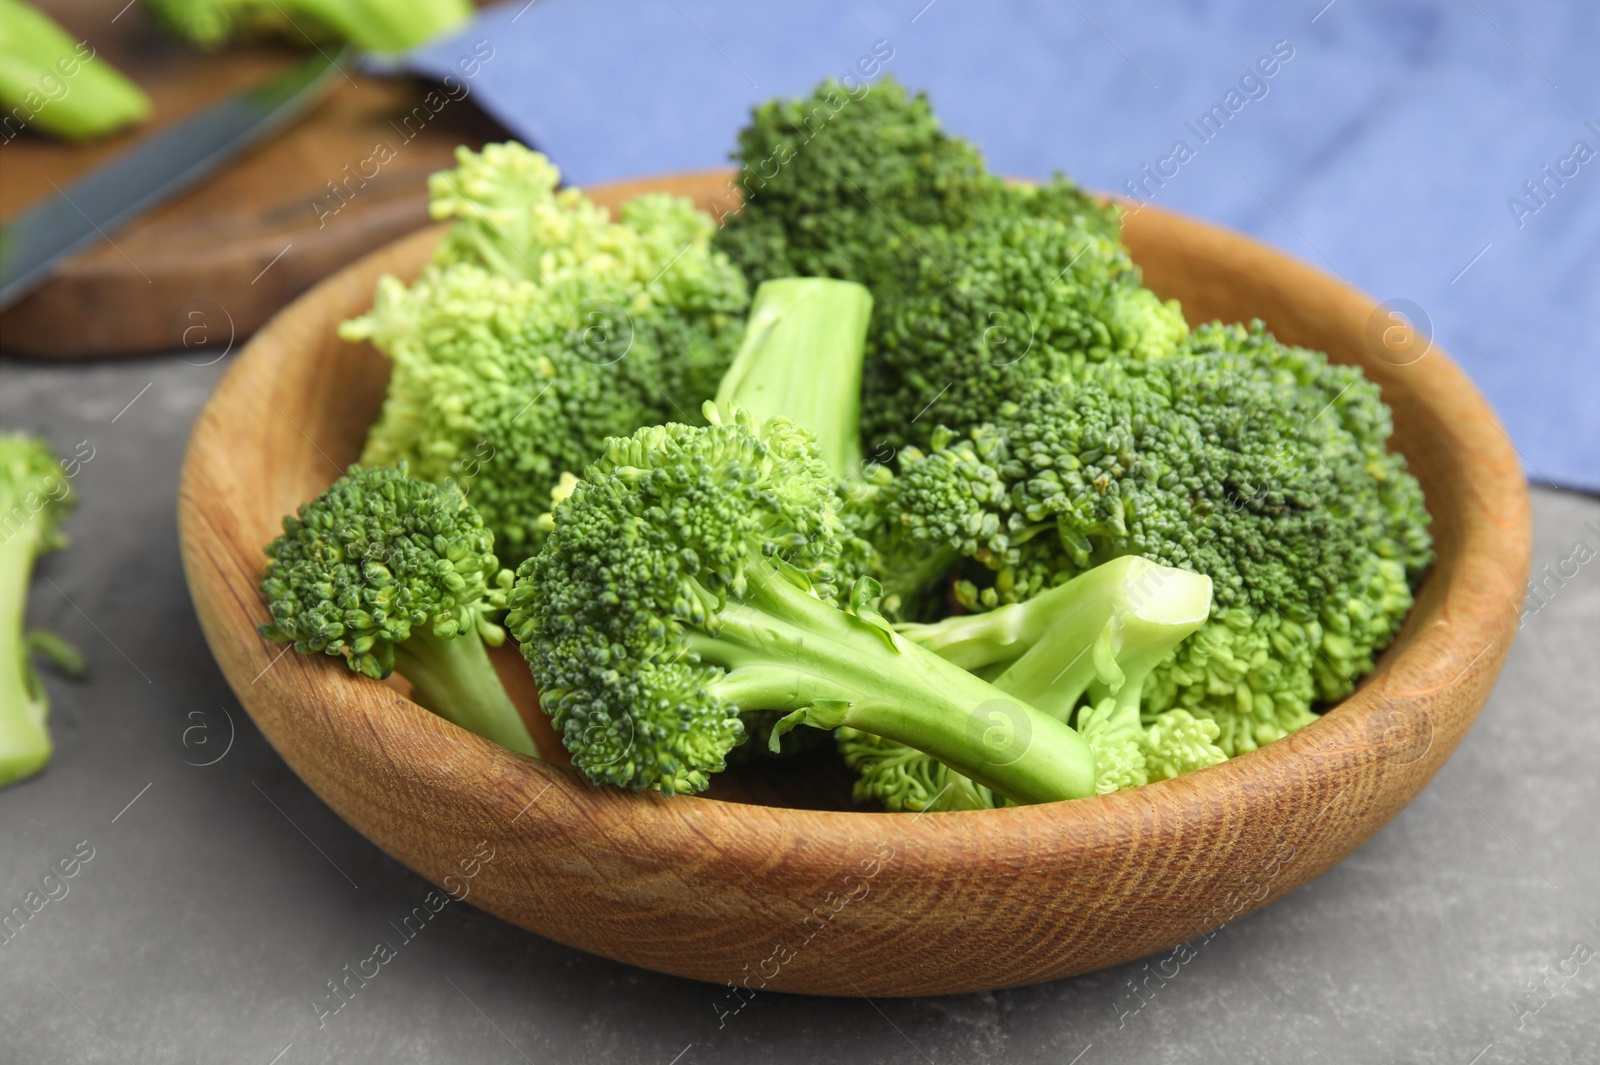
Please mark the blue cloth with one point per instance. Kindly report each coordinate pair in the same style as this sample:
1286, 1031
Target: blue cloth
1392, 147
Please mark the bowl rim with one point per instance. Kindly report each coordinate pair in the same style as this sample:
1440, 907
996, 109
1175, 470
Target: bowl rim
1421, 698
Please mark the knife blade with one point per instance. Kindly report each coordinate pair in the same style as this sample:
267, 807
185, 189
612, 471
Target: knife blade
152, 171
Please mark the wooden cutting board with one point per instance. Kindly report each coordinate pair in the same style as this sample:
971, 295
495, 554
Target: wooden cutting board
209, 266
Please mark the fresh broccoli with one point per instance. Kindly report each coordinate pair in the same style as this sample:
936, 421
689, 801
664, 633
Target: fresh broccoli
979, 286
1096, 637
989, 310
372, 25
801, 359
1053, 415
57, 85
695, 573
389, 572
35, 496
1080, 652
842, 184
542, 328
1258, 464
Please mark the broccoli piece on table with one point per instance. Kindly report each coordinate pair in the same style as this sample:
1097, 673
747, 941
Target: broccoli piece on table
388, 572
372, 25
58, 85
35, 497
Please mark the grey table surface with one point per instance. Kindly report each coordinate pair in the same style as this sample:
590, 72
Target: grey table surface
218, 900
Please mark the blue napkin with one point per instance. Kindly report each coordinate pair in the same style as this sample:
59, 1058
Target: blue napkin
1445, 154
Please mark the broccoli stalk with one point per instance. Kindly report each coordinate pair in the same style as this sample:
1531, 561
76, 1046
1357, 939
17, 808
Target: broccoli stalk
24, 741
374, 25
784, 649
58, 84
1095, 638
801, 359
388, 572
34, 498
453, 677
697, 573
1110, 624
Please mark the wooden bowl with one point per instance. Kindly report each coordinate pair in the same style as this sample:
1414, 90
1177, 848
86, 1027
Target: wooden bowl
853, 902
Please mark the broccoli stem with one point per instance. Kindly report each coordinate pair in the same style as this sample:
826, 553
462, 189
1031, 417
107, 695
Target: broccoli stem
35, 52
24, 741
1121, 620
455, 679
801, 358
786, 650
1118, 620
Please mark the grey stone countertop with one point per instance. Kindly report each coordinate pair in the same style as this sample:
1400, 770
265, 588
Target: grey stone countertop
212, 903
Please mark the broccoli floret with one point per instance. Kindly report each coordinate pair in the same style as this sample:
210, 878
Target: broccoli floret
1080, 652
541, 329
695, 573
373, 25
994, 307
388, 572
37, 58
979, 286
1098, 636
842, 184
1258, 464
35, 497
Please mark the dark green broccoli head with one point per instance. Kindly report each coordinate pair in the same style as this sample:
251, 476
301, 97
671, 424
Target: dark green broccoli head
848, 185
992, 309
1253, 462
836, 184
374, 557
661, 530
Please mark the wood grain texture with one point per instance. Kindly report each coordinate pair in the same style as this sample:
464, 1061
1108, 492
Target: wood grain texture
214, 263
781, 898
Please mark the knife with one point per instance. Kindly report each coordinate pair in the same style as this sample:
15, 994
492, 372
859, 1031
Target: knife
150, 172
